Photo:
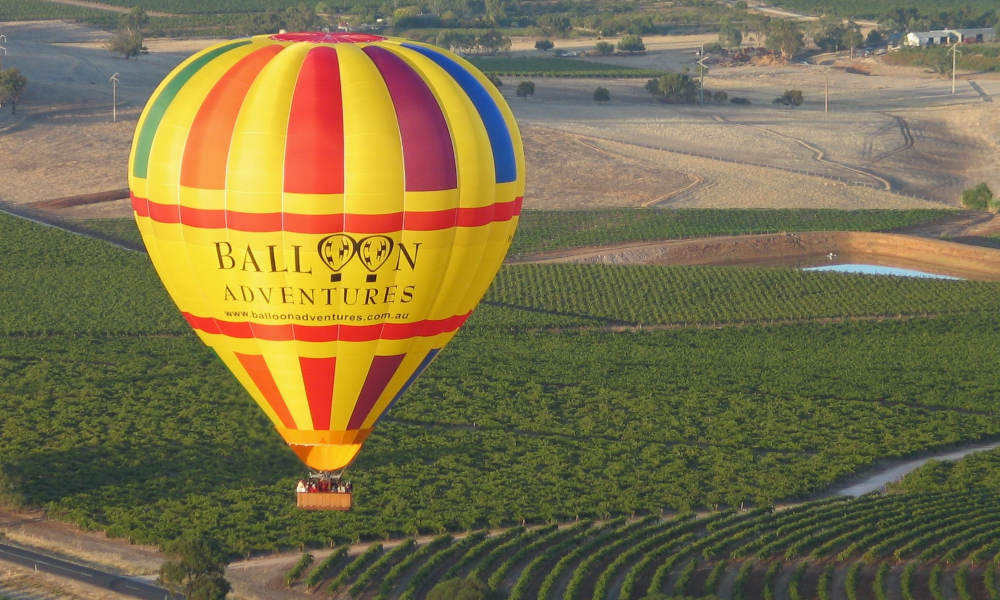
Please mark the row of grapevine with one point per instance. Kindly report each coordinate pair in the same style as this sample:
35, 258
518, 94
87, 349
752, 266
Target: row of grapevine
653, 554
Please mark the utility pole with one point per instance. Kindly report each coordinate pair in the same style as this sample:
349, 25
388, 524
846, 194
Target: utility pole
701, 64
954, 56
826, 91
114, 97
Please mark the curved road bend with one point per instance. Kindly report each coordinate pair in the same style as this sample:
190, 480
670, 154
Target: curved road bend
117, 583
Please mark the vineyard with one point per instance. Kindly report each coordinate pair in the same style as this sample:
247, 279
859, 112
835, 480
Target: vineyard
575, 392
540, 231
18, 10
864, 9
920, 545
557, 67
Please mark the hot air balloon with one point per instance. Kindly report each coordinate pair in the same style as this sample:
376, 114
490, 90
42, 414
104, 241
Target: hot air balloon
326, 210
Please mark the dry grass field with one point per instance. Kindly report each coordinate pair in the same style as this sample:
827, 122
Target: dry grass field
895, 138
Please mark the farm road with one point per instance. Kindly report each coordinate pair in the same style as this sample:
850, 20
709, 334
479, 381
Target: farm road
112, 581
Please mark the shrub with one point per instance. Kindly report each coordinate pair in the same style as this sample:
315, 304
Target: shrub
602, 94
631, 43
604, 48
678, 88
544, 45
789, 98
525, 89
979, 198
739, 100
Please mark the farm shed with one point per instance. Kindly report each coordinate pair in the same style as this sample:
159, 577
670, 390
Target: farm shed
949, 36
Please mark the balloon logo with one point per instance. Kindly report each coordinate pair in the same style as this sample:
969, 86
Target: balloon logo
326, 210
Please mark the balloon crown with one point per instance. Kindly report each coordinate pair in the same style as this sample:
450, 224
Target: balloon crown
319, 37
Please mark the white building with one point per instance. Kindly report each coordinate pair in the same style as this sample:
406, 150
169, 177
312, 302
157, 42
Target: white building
946, 37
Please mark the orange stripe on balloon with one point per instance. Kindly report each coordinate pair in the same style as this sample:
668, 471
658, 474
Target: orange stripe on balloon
317, 375
256, 367
207, 148
381, 371
431, 220
314, 149
326, 333
428, 153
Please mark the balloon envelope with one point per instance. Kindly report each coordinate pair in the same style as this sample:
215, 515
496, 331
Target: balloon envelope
326, 210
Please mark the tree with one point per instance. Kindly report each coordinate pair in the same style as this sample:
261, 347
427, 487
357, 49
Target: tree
544, 45
303, 18
134, 20
874, 38
631, 43
852, 39
462, 589
196, 569
790, 98
730, 36
455, 40
784, 37
676, 88
11, 84
493, 41
604, 48
979, 198
525, 89
602, 94
126, 42
555, 25
827, 33
720, 97
496, 12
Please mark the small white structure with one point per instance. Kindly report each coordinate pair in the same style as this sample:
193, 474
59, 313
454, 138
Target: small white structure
946, 37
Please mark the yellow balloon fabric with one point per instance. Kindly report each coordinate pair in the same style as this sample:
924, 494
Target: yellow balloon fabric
326, 210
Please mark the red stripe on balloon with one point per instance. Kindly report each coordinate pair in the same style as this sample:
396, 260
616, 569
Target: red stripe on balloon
317, 375
430, 220
257, 369
207, 149
326, 333
314, 150
379, 374
428, 153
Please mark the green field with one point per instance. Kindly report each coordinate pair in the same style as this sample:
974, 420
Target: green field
864, 9
901, 546
556, 67
117, 418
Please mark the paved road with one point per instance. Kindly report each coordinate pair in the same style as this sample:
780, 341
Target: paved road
123, 585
